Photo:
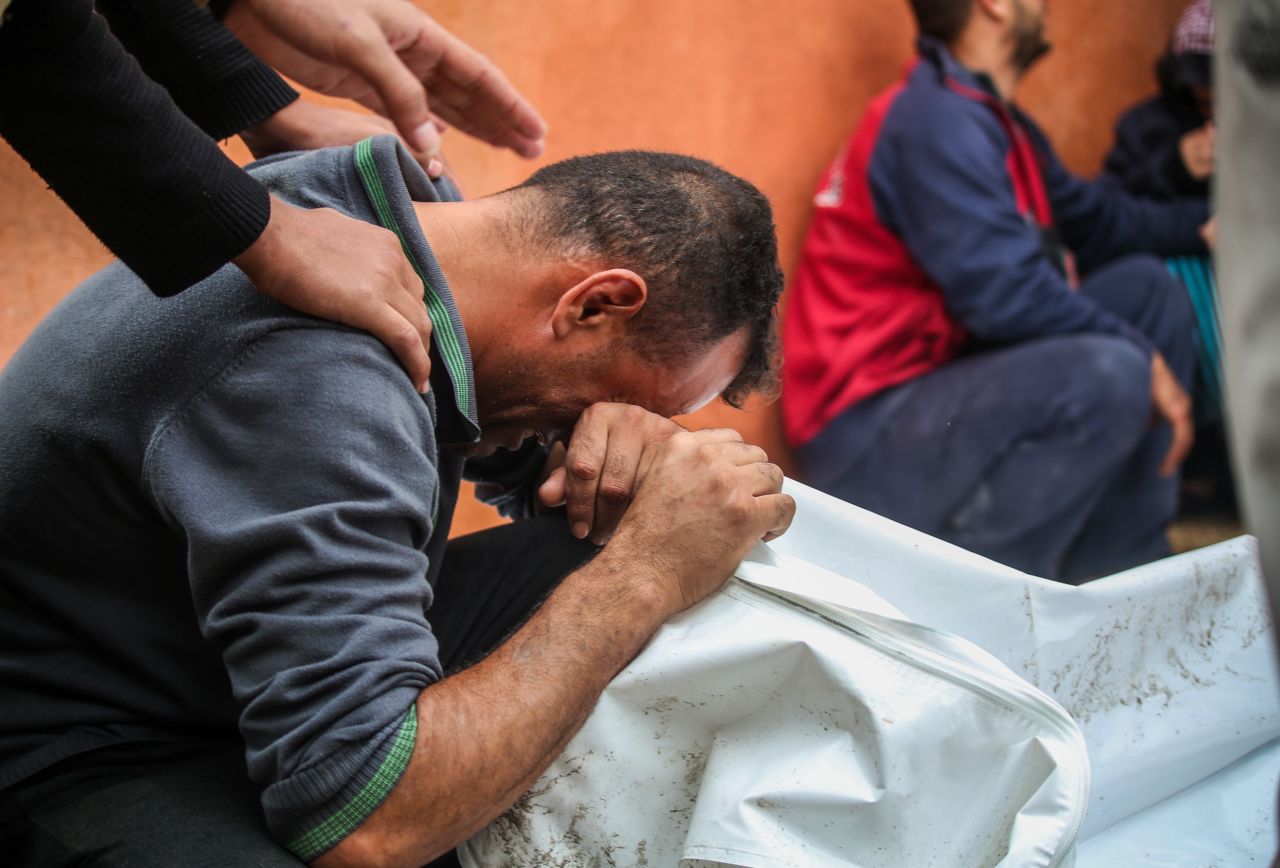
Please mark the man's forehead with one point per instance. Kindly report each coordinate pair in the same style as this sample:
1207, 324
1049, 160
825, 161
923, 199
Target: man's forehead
708, 375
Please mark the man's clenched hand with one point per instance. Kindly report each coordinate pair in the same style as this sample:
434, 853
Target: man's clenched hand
332, 266
706, 500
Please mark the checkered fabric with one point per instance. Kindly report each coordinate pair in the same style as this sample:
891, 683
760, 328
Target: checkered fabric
1194, 33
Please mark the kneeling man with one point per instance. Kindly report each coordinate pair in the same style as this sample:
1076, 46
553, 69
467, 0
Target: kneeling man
226, 591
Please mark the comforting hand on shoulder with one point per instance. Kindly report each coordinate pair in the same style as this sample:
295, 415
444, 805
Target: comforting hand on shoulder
335, 267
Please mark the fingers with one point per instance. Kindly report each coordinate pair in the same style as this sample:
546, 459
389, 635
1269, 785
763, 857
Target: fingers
745, 454
395, 313
402, 336
1170, 400
773, 510
472, 94
514, 124
583, 464
402, 95
551, 491
780, 510
612, 447
623, 454
413, 309
715, 435
1180, 444
763, 478
336, 267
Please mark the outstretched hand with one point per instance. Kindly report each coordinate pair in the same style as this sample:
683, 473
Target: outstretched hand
392, 57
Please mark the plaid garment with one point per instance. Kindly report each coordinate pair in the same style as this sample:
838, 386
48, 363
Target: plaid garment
1194, 33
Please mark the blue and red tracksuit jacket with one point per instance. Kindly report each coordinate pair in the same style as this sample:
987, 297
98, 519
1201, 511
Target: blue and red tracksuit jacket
946, 220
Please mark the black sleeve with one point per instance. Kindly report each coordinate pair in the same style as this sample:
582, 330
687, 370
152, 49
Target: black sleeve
1145, 160
211, 75
112, 143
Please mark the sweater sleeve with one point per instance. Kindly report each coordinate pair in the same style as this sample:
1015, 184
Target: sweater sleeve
211, 75
942, 187
113, 145
303, 480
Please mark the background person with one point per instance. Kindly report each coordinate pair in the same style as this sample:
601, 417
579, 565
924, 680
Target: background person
1165, 145
943, 366
1165, 150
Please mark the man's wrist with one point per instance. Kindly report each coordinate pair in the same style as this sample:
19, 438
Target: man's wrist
636, 590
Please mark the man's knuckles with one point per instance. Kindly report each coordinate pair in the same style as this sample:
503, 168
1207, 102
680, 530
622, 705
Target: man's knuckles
739, 508
771, 472
403, 335
582, 469
614, 493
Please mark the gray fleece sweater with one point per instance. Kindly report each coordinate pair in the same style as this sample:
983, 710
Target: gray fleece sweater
222, 518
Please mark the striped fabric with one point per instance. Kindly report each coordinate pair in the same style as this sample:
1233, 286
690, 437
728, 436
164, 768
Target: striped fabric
1196, 274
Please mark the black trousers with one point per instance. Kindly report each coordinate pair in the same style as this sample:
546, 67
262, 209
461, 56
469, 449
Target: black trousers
147, 805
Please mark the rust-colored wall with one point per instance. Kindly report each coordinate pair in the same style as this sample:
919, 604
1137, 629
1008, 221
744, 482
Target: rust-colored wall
766, 90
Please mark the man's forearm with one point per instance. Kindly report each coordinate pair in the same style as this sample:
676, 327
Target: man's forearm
488, 732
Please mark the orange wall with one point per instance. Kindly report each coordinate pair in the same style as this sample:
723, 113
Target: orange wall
766, 90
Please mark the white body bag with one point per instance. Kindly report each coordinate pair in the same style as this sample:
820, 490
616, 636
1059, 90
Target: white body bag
862, 694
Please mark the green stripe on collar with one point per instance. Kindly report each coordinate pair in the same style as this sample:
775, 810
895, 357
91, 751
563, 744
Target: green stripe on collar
441, 322
343, 821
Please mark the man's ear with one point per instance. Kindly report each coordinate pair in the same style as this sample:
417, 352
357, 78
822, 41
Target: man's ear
603, 300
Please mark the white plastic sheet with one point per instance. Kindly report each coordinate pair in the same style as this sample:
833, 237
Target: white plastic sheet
799, 718
1169, 668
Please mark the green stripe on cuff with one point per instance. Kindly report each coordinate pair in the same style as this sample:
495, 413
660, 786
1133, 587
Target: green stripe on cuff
311, 844
441, 322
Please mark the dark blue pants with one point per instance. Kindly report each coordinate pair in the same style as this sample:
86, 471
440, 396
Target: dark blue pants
1041, 455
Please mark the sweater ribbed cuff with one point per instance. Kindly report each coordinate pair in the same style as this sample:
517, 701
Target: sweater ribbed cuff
220, 83
249, 97
201, 243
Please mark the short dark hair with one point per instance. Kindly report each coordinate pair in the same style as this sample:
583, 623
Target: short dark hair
944, 20
703, 240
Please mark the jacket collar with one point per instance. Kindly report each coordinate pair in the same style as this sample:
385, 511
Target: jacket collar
939, 57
